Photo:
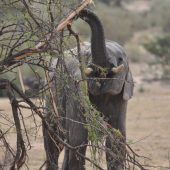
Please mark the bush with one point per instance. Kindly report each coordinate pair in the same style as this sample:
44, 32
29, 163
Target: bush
159, 15
136, 53
160, 48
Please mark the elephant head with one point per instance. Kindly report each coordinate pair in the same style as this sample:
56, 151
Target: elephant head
108, 73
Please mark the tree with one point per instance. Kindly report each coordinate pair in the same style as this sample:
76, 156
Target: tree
31, 34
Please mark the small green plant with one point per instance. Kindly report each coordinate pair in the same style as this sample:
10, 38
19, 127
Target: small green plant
141, 89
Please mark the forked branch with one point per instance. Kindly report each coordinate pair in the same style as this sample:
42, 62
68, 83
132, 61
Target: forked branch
42, 45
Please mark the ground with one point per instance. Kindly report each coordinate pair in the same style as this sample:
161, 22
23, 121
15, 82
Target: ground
148, 123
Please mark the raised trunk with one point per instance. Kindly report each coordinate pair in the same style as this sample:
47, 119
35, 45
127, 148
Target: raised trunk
98, 46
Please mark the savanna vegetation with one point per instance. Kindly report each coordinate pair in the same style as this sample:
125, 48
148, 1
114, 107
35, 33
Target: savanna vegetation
142, 28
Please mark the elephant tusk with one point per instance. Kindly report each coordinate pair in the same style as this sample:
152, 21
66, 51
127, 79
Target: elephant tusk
88, 71
118, 69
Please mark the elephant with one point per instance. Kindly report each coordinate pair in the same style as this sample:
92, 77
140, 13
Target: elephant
108, 92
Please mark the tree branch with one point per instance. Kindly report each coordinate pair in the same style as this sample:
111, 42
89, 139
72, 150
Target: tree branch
41, 46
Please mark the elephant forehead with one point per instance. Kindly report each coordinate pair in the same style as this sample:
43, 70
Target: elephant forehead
115, 53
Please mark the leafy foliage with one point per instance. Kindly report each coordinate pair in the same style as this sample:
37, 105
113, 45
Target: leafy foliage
159, 15
160, 48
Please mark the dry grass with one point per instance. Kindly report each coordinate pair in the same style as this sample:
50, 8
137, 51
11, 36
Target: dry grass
148, 124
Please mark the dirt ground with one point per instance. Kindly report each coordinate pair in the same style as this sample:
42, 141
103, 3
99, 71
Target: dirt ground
148, 123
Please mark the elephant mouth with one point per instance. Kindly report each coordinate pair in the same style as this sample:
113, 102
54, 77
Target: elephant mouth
98, 72
103, 80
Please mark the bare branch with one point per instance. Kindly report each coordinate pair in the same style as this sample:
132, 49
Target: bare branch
41, 46
30, 13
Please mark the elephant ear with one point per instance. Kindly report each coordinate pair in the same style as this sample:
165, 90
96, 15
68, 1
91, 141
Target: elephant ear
128, 87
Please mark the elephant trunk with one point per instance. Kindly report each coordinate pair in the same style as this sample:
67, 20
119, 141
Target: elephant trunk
98, 46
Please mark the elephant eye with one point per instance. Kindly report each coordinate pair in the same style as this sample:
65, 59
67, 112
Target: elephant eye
120, 60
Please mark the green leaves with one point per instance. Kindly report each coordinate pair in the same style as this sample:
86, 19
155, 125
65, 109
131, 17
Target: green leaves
160, 48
